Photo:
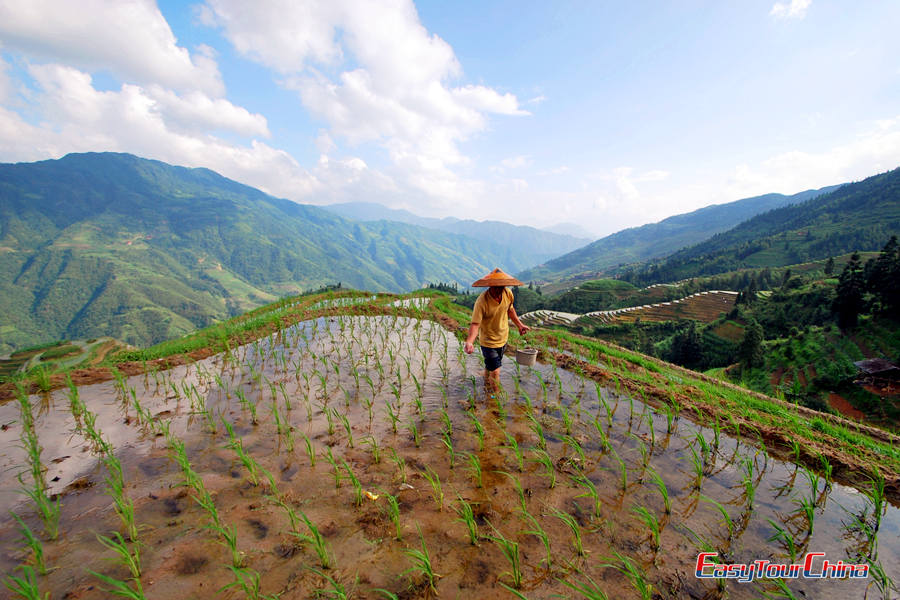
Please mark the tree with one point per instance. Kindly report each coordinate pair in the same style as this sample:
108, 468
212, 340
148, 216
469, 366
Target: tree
851, 289
829, 265
883, 277
687, 348
750, 351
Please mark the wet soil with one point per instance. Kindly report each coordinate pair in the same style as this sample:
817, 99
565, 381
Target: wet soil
336, 381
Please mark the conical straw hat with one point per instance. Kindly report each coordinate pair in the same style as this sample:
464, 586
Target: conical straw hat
497, 277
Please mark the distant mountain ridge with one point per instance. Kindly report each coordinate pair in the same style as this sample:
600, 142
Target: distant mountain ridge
528, 245
858, 216
112, 244
656, 240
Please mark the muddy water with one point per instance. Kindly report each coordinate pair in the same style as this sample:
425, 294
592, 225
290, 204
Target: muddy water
306, 374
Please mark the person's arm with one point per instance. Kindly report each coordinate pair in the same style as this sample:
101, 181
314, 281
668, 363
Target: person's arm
473, 333
511, 313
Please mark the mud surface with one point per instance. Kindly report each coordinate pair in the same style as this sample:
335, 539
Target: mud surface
588, 451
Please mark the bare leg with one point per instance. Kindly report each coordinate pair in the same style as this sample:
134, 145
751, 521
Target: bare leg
491, 381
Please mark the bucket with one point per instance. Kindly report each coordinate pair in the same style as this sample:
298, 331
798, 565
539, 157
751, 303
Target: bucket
526, 356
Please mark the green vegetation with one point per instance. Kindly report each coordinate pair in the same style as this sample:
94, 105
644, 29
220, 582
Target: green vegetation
112, 244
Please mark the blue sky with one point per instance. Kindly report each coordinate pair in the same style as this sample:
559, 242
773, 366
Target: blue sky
607, 115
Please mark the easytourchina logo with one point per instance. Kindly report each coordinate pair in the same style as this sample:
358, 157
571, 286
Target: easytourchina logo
810, 568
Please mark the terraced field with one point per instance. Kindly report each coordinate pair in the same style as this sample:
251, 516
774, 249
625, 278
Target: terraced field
351, 451
702, 306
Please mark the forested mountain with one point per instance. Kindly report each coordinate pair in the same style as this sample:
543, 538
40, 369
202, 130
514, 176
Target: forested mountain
660, 239
527, 245
857, 216
112, 244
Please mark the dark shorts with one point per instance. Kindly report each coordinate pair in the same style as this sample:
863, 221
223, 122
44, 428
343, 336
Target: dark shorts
493, 357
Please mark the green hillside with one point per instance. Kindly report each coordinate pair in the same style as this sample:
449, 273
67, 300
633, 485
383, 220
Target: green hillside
856, 217
659, 239
114, 245
524, 245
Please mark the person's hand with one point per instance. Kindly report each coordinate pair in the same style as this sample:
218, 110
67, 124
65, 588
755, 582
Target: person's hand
469, 348
523, 329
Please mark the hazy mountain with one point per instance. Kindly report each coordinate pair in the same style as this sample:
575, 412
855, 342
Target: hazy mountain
660, 239
112, 244
527, 245
573, 229
856, 216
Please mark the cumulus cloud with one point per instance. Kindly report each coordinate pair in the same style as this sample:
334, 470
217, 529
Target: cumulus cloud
874, 149
795, 10
76, 117
374, 74
130, 38
515, 162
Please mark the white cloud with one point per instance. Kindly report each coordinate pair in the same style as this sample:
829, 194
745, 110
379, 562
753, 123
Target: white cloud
130, 38
875, 149
795, 10
516, 162
195, 111
374, 74
75, 117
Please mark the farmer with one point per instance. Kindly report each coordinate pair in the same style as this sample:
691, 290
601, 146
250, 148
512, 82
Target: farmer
490, 322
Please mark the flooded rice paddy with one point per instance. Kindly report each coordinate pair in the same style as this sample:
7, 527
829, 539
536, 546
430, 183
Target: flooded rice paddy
361, 457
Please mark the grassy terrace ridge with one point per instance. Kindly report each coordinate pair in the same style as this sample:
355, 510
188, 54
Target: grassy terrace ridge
856, 453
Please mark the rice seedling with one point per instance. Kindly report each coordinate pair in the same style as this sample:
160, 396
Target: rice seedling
329, 417
698, 467
345, 422
570, 522
479, 429
401, 464
475, 468
421, 562
748, 483
467, 518
33, 543
123, 505
726, 518
880, 579
414, 431
786, 539
130, 558
663, 490
876, 495
26, 586
447, 441
602, 435
374, 447
318, 542
392, 507
808, 509
117, 587
393, 414
235, 443
538, 430
335, 470
437, 490
510, 550
517, 451
572, 443
590, 491
538, 531
542, 458
589, 590
310, 450
634, 573
651, 522
517, 486
354, 480
247, 580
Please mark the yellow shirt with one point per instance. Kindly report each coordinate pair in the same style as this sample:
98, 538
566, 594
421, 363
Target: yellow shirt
493, 330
